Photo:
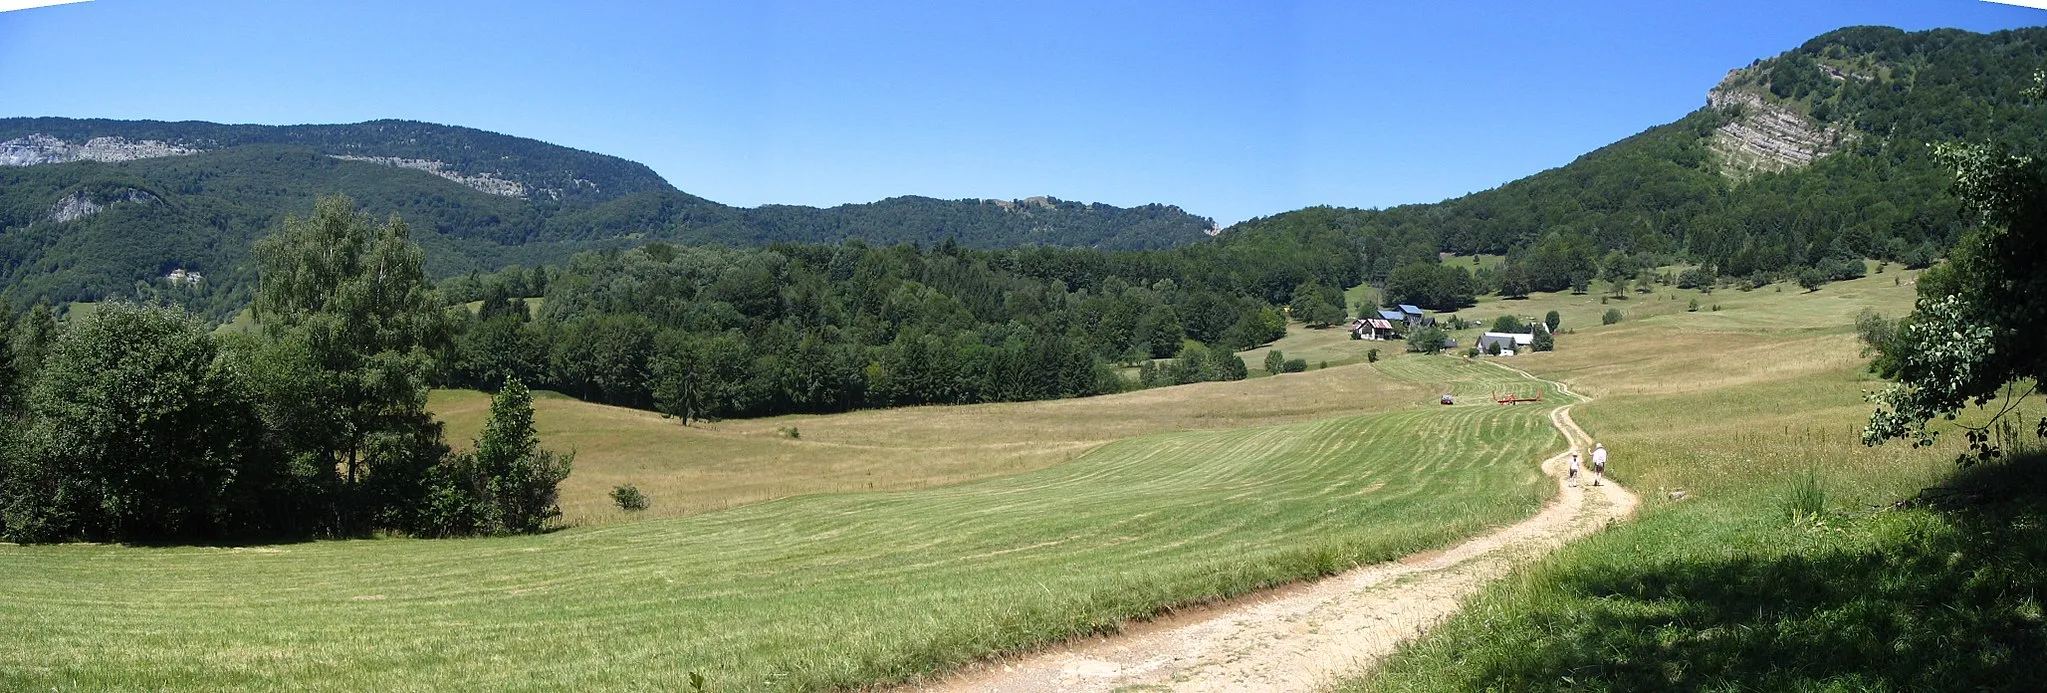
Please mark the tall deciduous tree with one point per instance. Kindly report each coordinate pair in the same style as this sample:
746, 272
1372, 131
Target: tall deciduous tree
33, 335
1975, 331
10, 378
138, 428
355, 328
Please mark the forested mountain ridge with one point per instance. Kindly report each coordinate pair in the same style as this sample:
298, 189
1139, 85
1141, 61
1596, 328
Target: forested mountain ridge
1803, 160
91, 209
490, 162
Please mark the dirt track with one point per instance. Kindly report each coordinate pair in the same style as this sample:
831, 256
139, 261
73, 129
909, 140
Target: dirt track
1306, 637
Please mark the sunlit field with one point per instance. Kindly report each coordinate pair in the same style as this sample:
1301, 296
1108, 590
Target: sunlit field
709, 466
812, 592
1797, 559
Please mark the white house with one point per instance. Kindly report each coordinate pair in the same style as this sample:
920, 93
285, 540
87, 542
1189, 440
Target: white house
1509, 342
1374, 329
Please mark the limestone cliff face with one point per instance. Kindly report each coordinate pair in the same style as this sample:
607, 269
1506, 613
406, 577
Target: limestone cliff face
39, 149
44, 149
483, 182
79, 205
1763, 134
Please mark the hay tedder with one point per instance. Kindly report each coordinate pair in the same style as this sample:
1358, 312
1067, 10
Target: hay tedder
1516, 398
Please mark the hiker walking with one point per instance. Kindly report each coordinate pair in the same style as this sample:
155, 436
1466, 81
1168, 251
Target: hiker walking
1574, 467
1598, 463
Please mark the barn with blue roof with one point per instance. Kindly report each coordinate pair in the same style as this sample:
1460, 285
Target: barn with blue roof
1410, 315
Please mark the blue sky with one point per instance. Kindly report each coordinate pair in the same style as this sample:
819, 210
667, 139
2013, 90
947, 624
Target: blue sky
1230, 110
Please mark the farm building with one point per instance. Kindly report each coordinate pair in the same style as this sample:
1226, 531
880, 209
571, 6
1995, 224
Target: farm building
1508, 342
1373, 329
1413, 316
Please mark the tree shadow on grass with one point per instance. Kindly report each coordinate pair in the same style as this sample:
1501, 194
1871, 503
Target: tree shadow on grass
1949, 599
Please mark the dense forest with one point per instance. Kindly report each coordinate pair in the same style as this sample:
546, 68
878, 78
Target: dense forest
75, 230
704, 332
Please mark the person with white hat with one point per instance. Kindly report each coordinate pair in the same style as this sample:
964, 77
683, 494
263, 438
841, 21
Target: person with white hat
1598, 463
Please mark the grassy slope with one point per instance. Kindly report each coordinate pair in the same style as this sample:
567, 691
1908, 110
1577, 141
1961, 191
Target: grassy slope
810, 592
709, 466
1330, 345
1724, 590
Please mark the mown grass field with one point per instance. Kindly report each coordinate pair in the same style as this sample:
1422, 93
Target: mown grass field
711, 466
812, 592
1741, 586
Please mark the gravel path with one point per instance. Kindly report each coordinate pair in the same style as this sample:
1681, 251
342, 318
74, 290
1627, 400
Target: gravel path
1308, 636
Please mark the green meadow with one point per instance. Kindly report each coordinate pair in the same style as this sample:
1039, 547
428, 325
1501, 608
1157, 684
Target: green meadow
1796, 559
804, 593
895, 545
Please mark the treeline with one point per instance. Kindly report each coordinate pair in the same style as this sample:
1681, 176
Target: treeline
139, 423
701, 332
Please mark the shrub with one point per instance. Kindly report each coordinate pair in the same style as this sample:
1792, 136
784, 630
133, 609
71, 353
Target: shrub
1553, 319
1613, 315
1372, 356
1695, 278
1427, 340
790, 432
1275, 362
1493, 349
1544, 341
1812, 279
629, 498
1874, 330
1508, 323
1694, 307
1840, 268
1296, 365
1324, 364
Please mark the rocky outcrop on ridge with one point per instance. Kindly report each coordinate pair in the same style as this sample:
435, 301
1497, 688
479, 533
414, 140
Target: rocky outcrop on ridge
1762, 135
79, 205
44, 149
482, 182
